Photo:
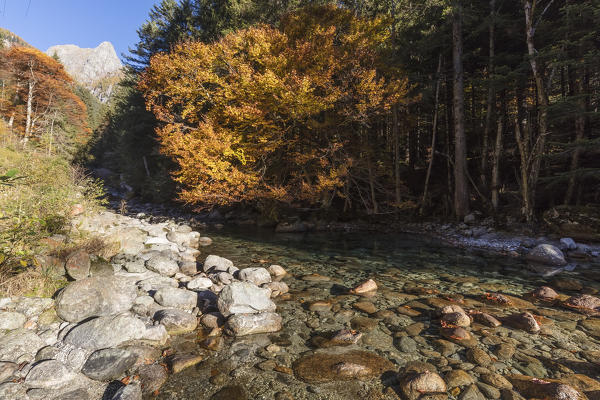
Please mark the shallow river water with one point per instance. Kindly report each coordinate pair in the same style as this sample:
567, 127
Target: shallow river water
399, 325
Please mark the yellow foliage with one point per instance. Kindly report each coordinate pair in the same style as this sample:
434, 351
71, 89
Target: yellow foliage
272, 114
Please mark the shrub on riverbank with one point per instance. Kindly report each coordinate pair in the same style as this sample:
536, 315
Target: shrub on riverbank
37, 197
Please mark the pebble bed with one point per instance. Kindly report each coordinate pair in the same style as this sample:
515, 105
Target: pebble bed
403, 340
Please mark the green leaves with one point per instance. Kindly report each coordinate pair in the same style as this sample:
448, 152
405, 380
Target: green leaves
9, 177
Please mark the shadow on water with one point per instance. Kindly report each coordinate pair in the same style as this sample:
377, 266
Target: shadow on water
366, 253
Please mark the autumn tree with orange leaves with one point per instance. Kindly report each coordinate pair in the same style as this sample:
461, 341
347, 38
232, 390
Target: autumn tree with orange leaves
38, 100
286, 115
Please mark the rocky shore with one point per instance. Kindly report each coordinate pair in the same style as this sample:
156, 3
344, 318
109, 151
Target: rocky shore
142, 318
103, 335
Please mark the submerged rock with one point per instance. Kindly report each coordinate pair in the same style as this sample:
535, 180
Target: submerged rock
533, 388
152, 377
525, 321
133, 391
568, 243
334, 366
413, 385
547, 254
544, 293
456, 319
584, 303
486, 319
365, 287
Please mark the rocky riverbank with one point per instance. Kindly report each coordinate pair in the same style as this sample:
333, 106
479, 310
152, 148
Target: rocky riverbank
103, 335
141, 317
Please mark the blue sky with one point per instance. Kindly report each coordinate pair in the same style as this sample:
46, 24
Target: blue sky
86, 23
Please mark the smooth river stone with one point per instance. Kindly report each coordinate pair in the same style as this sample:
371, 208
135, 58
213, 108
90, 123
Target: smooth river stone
108, 364
95, 297
248, 324
106, 332
340, 366
244, 298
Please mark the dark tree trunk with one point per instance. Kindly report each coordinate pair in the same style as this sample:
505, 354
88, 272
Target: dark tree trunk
461, 189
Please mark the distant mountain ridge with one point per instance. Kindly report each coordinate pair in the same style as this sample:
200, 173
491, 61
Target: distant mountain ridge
98, 69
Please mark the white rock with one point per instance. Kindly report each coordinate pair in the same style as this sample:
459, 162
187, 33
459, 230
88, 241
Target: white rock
248, 324
10, 320
199, 283
216, 264
276, 270
157, 240
176, 298
255, 275
244, 298
163, 265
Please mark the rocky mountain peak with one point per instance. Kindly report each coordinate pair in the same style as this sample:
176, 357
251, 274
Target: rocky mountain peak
98, 69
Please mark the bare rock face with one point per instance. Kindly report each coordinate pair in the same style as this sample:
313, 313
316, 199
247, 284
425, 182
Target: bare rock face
99, 69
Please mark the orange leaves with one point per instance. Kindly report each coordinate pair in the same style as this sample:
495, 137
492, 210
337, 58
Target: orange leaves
54, 105
268, 113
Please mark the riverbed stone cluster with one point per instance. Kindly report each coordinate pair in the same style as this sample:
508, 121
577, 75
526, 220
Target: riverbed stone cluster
103, 335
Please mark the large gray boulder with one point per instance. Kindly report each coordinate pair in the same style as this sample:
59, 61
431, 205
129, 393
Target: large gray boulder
248, 324
49, 374
163, 265
108, 364
547, 254
103, 332
20, 345
216, 264
244, 298
95, 297
176, 298
177, 322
